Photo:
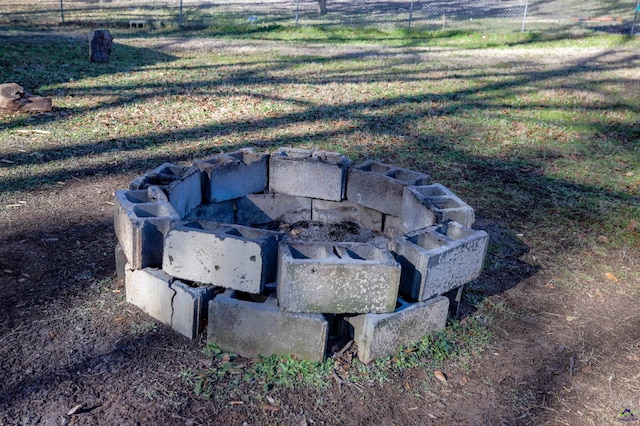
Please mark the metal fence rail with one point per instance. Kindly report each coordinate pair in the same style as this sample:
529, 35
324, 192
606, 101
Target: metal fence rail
465, 15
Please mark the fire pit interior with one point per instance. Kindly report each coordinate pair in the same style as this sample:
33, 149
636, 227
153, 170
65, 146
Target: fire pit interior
284, 252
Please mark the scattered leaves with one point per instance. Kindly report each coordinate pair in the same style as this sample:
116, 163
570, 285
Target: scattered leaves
440, 376
611, 277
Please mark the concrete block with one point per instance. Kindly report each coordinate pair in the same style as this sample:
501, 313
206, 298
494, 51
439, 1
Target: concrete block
345, 211
170, 301
381, 335
223, 212
141, 218
262, 209
233, 175
228, 256
425, 205
307, 173
379, 186
439, 258
393, 226
181, 184
121, 263
324, 277
258, 327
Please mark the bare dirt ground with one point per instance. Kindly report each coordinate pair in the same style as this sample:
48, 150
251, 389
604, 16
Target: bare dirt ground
565, 348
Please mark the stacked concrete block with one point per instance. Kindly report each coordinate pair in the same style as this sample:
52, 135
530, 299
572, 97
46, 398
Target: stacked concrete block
324, 277
427, 204
439, 258
346, 211
223, 212
233, 175
141, 219
379, 186
380, 335
262, 209
307, 173
170, 301
180, 183
253, 327
228, 256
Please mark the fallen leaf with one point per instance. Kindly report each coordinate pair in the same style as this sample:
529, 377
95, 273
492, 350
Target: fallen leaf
236, 402
465, 379
612, 277
119, 319
571, 318
633, 357
440, 376
295, 232
603, 239
269, 407
74, 410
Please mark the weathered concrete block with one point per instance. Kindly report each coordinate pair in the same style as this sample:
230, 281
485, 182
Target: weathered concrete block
425, 205
121, 262
379, 186
345, 211
380, 335
222, 212
233, 175
141, 219
439, 258
307, 173
393, 226
180, 183
170, 301
261, 209
251, 328
228, 256
324, 277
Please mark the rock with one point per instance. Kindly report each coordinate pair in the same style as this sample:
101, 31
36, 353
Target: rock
100, 45
14, 98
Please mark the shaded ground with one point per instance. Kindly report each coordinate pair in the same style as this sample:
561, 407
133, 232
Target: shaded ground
565, 348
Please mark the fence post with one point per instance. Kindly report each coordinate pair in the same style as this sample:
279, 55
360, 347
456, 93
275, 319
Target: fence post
635, 17
410, 13
180, 22
524, 17
62, 11
297, 11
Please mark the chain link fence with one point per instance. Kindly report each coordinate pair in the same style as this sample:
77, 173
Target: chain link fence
488, 16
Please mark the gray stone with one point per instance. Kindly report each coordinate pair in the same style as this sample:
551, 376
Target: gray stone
258, 327
141, 219
233, 175
170, 301
379, 186
182, 184
307, 173
261, 209
345, 211
380, 335
222, 212
324, 277
425, 205
439, 258
229, 256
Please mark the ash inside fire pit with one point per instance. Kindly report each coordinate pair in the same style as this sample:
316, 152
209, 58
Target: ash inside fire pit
319, 231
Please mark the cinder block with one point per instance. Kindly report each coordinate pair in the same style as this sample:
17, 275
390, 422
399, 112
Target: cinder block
439, 258
380, 335
228, 256
307, 173
233, 175
170, 301
324, 277
379, 186
425, 205
345, 211
258, 327
141, 219
180, 183
121, 263
222, 212
393, 226
262, 209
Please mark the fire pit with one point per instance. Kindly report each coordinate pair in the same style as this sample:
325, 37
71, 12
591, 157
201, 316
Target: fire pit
274, 252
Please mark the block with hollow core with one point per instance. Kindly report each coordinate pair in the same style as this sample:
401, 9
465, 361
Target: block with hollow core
325, 277
257, 326
381, 335
263, 209
170, 301
229, 256
141, 218
345, 211
425, 205
233, 175
379, 186
439, 258
223, 212
308, 173
180, 183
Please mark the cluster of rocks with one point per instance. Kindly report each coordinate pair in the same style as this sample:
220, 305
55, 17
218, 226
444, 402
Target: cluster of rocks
201, 246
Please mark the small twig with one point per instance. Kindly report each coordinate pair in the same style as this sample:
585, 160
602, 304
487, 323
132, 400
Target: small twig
344, 349
572, 364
